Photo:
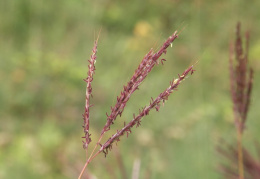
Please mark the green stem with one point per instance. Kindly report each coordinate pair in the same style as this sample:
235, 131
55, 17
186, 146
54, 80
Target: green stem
240, 153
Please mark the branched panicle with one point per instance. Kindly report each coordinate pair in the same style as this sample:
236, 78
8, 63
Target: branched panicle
241, 78
88, 80
146, 65
154, 104
149, 61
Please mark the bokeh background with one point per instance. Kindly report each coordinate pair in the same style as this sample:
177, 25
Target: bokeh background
44, 48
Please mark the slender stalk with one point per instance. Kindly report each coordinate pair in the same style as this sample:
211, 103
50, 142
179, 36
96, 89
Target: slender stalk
86, 164
136, 169
88, 80
90, 157
240, 153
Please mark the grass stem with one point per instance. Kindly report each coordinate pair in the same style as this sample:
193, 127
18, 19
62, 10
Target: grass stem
240, 154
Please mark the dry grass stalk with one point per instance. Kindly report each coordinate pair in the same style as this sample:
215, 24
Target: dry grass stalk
136, 169
241, 82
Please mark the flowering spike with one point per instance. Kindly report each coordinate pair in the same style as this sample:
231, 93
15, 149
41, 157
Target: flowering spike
88, 80
241, 79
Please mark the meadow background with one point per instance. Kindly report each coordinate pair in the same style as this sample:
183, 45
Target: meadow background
44, 48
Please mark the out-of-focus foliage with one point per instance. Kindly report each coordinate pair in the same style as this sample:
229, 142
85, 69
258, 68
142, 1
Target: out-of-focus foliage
44, 47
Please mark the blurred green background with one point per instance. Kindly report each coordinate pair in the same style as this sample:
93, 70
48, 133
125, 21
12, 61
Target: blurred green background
44, 48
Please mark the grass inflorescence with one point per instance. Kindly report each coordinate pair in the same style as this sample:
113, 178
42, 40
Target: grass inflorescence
150, 60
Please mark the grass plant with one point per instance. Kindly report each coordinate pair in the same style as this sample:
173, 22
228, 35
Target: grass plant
150, 60
241, 83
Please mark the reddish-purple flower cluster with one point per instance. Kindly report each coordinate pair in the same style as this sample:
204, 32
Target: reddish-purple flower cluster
88, 80
241, 80
146, 65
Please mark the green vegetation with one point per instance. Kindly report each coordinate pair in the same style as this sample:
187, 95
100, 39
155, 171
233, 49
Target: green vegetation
44, 48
